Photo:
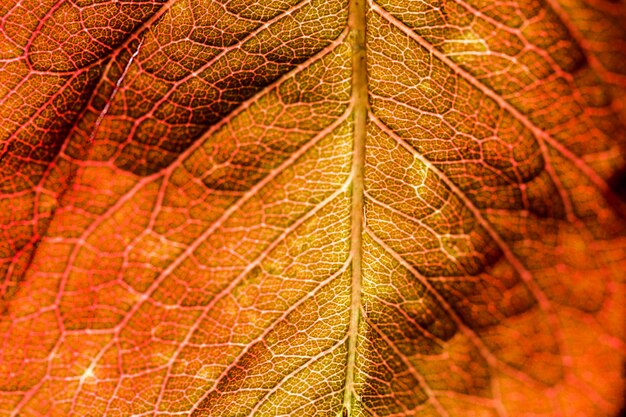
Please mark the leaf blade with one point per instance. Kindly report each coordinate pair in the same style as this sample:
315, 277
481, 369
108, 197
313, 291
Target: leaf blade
292, 249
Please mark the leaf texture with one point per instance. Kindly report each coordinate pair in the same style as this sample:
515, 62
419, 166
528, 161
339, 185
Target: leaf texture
312, 208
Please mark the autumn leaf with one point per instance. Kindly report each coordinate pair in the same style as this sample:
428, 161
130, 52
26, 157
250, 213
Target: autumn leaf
312, 208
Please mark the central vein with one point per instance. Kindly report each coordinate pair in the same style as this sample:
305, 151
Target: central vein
360, 106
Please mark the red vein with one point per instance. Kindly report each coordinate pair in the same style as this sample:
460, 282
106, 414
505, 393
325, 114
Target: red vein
541, 136
524, 274
168, 171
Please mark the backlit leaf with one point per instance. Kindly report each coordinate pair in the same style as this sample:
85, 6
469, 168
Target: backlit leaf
312, 207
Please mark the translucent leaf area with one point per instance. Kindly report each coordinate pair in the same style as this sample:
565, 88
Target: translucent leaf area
329, 208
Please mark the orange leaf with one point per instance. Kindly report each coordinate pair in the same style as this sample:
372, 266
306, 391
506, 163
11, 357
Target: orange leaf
312, 208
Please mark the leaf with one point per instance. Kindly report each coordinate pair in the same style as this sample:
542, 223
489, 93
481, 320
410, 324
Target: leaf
313, 207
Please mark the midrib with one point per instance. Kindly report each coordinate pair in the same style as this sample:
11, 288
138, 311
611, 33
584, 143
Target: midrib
360, 107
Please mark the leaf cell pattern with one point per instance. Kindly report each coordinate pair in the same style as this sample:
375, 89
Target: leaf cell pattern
312, 207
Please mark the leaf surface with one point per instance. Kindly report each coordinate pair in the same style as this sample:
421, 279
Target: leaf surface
312, 207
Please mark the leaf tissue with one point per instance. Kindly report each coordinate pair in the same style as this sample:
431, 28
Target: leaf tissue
356, 208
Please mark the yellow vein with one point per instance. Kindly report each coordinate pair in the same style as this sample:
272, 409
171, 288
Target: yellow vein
220, 221
237, 280
359, 101
543, 138
524, 273
293, 374
423, 384
310, 295
491, 359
